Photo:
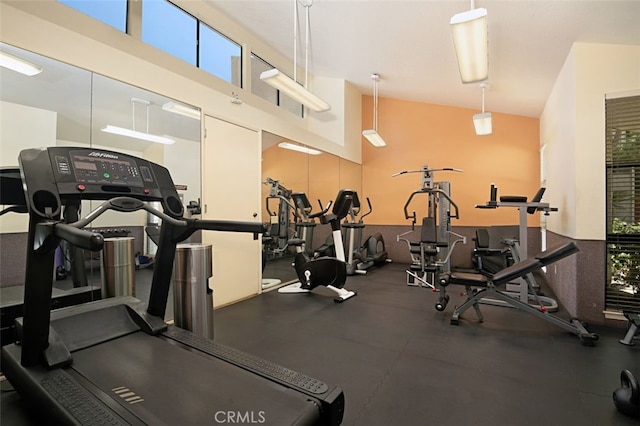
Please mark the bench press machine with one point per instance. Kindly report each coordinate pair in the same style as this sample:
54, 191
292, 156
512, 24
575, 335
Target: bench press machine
488, 288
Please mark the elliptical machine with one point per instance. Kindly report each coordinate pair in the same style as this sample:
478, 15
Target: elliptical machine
304, 223
330, 272
362, 256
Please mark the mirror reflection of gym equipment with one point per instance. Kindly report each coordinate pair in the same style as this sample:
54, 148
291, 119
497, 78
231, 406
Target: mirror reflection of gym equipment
88, 349
80, 108
276, 252
362, 255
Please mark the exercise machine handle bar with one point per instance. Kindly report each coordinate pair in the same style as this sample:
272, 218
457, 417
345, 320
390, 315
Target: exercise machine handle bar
369, 212
128, 204
455, 215
323, 210
75, 235
281, 198
36, 332
423, 170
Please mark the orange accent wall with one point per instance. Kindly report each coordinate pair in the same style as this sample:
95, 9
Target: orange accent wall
444, 136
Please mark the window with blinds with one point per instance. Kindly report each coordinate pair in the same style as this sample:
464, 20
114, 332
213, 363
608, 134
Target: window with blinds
623, 203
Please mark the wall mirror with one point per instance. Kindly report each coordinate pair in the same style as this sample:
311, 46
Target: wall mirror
320, 176
67, 106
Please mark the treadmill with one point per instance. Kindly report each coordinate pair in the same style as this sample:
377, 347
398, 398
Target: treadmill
115, 361
11, 295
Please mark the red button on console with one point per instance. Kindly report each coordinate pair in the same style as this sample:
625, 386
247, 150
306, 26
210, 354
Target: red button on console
146, 191
81, 187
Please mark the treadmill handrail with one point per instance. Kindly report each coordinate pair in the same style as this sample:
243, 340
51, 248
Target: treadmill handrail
125, 205
79, 237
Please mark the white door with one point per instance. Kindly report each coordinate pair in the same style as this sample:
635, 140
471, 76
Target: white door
231, 191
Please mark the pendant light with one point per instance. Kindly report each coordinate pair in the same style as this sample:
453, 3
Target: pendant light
470, 40
482, 121
289, 86
133, 133
372, 135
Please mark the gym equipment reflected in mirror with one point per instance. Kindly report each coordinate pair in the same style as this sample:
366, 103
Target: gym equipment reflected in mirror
285, 171
64, 105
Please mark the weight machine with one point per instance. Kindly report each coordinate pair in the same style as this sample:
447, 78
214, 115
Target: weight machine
526, 287
278, 235
431, 254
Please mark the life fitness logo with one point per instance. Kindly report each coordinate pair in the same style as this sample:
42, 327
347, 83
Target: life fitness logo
240, 417
102, 155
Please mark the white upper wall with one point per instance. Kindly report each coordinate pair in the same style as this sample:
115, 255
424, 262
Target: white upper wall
572, 126
98, 47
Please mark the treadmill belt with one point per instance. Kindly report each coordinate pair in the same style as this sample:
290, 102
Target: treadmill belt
140, 372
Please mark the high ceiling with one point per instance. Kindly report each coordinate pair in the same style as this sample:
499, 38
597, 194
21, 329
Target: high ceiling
408, 42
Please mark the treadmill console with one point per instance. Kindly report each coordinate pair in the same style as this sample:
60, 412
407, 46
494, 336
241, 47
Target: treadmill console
56, 174
101, 167
93, 167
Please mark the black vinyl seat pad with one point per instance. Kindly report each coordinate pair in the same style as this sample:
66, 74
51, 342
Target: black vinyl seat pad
517, 270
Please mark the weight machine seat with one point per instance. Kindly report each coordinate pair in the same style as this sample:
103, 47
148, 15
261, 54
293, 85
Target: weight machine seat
516, 270
483, 244
416, 248
468, 278
505, 275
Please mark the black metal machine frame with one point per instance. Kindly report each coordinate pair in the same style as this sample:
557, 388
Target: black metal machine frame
67, 363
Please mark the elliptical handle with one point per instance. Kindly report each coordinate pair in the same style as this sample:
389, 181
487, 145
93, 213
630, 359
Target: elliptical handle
370, 210
321, 212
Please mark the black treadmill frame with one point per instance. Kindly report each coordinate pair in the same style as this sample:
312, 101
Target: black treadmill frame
40, 365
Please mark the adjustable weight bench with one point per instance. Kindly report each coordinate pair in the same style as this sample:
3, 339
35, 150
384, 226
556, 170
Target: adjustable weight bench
488, 288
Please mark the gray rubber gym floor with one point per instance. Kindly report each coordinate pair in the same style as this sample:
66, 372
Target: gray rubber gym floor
400, 362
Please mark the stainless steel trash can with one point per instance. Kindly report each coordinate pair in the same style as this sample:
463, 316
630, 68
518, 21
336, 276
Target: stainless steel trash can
118, 267
192, 297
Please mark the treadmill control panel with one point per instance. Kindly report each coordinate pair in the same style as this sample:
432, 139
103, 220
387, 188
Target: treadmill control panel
54, 175
97, 167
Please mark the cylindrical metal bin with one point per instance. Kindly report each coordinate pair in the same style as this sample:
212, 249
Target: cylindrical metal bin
118, 267
192, 297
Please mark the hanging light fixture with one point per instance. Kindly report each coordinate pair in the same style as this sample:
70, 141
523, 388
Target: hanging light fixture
299, 148
482, 121
182, 109
133, 133
372, 135
289, 86
18, 64
471, 43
